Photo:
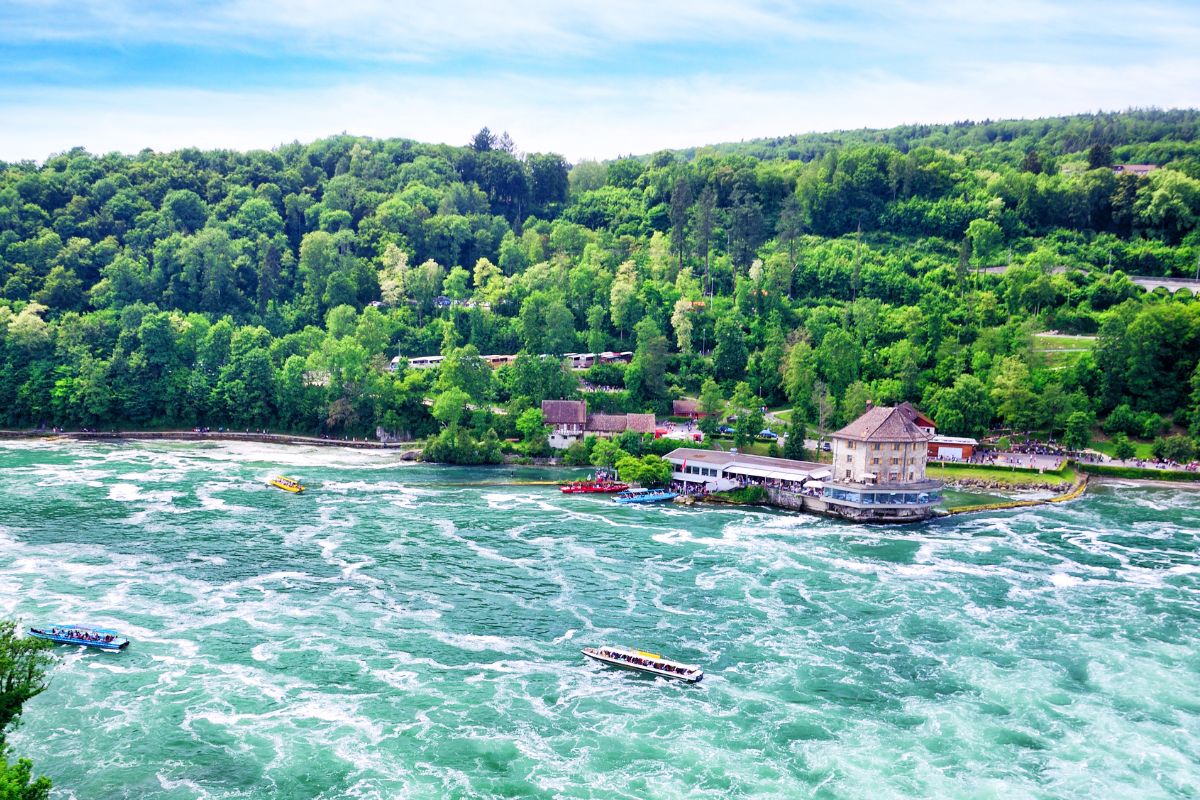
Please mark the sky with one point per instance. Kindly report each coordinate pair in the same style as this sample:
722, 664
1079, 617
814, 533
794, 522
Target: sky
584, 79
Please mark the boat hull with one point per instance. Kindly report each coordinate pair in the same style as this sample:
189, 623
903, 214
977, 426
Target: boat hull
594, 489
293, 489
115, 645
661, 497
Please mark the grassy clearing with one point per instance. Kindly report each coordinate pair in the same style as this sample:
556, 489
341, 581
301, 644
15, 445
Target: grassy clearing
1002, 475
1061, 351
1050, 343
1140, 449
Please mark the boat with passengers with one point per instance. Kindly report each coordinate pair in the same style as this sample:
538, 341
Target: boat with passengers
641, 661
287, 484
602, 483
645, 496
100, 638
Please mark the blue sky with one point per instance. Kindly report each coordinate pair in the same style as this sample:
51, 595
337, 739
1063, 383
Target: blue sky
589, 80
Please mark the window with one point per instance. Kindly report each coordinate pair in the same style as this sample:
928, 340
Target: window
874, 460
849, 459
847, 474
875, 447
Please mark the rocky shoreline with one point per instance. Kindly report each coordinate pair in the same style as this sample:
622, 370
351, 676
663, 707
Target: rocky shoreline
1000, 486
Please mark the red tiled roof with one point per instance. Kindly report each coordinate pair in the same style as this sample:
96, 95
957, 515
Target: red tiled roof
619, 423
606, 423
564, 412
683, 408
642, 423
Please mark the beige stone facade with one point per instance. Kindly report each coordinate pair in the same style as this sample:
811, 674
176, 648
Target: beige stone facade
878, 462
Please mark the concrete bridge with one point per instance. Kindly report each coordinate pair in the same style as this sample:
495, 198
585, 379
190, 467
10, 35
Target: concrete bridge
1172, 285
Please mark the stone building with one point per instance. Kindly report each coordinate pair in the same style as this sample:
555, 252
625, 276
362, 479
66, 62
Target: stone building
879, 467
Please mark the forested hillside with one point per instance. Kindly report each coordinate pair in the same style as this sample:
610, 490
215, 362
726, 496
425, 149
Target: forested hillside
270, 289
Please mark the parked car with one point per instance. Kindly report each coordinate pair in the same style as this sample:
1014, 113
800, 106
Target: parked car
826, 446
725, 429
767, 433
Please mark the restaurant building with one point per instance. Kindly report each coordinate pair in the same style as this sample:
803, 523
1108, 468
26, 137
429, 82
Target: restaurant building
877, 474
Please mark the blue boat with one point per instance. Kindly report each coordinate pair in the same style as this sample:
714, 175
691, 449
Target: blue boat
100, 638
645, 496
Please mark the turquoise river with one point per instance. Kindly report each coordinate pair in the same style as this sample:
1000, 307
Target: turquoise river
412, 631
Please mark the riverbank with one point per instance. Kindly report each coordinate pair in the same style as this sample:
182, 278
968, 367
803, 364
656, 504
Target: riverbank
407, 448
979, 476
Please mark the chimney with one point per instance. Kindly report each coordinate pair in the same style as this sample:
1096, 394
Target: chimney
870, 405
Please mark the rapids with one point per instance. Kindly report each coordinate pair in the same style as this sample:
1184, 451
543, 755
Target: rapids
414, 631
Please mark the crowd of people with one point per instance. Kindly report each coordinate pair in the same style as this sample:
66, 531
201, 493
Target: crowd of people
79, 635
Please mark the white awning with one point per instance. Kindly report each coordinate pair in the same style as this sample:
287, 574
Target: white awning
764, 472
758, 472
822, 473
813, 485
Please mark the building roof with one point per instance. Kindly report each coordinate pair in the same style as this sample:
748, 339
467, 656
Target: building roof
913, 415
883, 424
954, 440
619, 423
606, 423
682, 408
642, 423
717, 458
1136, 169
564, 412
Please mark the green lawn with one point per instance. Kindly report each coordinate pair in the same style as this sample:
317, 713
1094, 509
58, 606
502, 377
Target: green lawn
1003, 475
1061, 351
1140, 449
1043, 342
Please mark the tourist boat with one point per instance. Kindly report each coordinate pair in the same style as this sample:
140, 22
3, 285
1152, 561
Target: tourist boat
645, 496
100, 638
287, 484
642, 661
601, 484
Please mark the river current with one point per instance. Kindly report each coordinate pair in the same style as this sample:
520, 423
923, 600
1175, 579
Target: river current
414, 631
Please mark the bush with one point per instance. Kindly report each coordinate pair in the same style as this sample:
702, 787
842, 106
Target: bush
576, 455
746, 495
1176, 448
1123, 420
1151, 425
646, 471
1122, 448
456, 445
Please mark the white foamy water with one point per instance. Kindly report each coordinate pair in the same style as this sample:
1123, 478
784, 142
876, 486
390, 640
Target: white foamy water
404, 631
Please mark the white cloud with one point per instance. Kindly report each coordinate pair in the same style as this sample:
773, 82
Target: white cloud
388, 30
597, 120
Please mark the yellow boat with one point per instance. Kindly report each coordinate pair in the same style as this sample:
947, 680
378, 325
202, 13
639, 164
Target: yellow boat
287, 484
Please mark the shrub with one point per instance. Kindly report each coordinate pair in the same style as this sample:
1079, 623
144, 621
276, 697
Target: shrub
576, 455
1176, 448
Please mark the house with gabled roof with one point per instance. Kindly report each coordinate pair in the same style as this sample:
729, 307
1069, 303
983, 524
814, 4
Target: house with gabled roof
879, 467
570, 422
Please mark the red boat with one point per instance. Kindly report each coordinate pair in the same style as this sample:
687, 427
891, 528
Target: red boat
601, 484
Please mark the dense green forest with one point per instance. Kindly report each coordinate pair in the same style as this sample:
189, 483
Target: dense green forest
270, 289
